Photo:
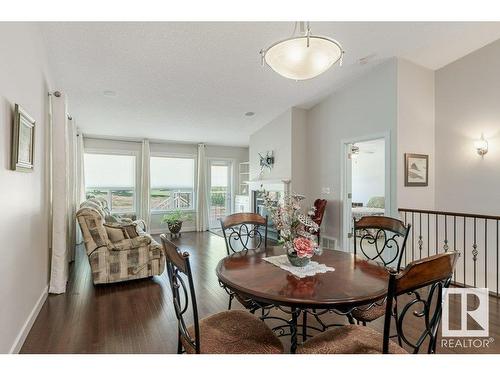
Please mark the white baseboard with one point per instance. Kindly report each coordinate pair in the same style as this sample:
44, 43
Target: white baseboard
19, 341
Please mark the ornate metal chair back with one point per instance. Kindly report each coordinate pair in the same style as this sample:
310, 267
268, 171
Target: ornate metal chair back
243, 231
423, 282
381, 239
179, 271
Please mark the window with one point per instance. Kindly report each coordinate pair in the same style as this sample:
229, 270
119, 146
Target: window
172, 183
111, 177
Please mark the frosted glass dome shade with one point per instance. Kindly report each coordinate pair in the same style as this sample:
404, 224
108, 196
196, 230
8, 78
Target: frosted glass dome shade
294, 59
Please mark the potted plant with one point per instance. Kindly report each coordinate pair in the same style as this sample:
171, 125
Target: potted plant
174, 221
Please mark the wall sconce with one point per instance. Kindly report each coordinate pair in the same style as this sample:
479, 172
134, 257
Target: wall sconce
481, 145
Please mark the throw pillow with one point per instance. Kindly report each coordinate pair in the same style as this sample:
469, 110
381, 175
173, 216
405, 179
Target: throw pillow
115, 233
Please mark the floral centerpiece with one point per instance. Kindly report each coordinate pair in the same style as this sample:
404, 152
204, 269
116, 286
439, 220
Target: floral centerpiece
296, 228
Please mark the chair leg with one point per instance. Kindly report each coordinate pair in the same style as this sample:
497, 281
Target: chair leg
179, 344
231, 296
304, 326
350, 319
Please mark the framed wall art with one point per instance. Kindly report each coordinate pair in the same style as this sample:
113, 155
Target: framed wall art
23, 141
416, 170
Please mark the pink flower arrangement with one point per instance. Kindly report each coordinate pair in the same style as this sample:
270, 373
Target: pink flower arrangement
304, 247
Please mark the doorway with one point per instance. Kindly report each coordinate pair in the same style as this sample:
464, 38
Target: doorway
220, 191
366, 182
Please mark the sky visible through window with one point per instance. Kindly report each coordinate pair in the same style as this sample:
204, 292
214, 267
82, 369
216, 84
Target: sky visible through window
172, 172
109, 170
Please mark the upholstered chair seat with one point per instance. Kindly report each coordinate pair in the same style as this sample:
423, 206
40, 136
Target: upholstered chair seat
235, 332
369, 314
351, 339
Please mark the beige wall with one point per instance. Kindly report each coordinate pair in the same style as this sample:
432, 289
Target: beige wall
275, 136
468, 104
24, 254
365, 106
415, 131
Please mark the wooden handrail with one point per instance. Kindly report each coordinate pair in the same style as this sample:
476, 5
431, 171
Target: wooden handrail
446, 213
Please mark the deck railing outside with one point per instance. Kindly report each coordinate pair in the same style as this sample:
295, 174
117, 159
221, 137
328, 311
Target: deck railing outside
475, 236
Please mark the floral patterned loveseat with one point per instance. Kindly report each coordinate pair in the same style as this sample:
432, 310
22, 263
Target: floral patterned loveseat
118, 249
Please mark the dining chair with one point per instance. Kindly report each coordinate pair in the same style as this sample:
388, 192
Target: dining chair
422, 283
227, 332
243, 231
381, 239
319, 213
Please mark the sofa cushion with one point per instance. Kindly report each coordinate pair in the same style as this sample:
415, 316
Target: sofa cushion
115, 232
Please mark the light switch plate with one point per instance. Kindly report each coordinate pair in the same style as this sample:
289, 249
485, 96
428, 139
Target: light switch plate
325, 190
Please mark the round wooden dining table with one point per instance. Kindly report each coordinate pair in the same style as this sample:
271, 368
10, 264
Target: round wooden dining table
355, 282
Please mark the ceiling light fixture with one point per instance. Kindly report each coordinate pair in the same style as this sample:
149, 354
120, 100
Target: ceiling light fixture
303, 55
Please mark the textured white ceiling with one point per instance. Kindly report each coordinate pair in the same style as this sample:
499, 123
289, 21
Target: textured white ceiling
194, 81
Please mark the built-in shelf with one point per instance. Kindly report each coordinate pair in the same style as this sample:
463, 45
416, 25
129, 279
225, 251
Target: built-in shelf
243, 174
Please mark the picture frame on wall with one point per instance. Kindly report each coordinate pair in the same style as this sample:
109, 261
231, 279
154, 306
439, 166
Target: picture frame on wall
23, 141
416, 170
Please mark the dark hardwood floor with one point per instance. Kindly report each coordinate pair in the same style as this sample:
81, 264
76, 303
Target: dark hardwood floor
137, 317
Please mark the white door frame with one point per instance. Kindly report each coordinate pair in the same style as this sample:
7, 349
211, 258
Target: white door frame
230, 163
346, 183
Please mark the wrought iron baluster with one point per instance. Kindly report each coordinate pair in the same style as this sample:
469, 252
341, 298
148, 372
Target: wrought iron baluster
474, 252
485, 253
406, 262
455, 244
420, 242
437, 237
428, 234
445, 246
412, 236
465, 247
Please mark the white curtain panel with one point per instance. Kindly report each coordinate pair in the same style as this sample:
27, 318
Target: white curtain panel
80, 181
201, 191
59, 151
145, 212
71, 145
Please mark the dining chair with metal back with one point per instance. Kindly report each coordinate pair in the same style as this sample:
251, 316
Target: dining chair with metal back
419, 290
236, 332
243, 232
383, 240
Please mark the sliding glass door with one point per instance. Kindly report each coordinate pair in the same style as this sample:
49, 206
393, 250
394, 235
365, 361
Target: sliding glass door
220, 190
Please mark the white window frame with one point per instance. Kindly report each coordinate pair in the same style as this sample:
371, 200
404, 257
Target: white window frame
137, 173
159, 154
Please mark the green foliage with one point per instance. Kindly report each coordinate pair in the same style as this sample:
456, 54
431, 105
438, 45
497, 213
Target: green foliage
218, 199
176, 217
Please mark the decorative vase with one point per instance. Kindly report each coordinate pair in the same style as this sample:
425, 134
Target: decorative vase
297, 261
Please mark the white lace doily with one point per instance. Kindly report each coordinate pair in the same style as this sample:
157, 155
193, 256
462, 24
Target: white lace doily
311, 269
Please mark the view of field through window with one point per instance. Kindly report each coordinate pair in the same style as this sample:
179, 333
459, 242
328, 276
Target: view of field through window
111, 178
172, 183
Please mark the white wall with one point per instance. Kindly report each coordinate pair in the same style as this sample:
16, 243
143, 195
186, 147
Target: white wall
275, 136
235, 154
367, 105
24, 255
368, 171
415, 131
468, 104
